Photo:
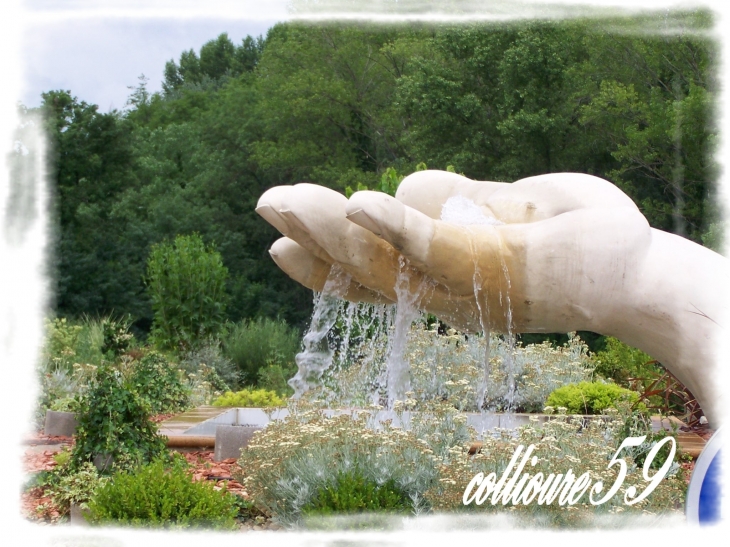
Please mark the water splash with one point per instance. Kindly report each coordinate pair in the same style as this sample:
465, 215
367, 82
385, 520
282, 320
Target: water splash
483, 309
509, 363
317, 355
462, 211
407, 310
361, 348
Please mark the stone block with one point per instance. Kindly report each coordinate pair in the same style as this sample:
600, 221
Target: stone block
60, 424
230, 439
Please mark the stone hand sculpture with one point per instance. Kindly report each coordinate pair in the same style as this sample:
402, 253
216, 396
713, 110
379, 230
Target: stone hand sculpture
552, 253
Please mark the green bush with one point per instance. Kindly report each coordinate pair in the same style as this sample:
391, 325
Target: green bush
186, 282
116, 336
69, 342
160, 495
160, 383
276, 378
619, 362
253, 345
638, 423
257, 398
71, 352
113, 420
210, 356
283, 477
590, 397
351, 492
75, 487
64, 404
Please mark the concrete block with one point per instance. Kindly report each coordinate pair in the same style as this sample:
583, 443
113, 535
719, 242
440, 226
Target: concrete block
78, 515
230, 439
103, 462
60, 424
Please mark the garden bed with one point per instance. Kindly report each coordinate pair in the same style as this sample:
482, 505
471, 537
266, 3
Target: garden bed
38, 507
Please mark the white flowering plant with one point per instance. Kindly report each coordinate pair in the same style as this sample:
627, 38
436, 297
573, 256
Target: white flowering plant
451, 367
289, 462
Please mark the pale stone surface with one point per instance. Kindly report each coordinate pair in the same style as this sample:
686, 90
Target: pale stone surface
230, 439
573, 252
61, 424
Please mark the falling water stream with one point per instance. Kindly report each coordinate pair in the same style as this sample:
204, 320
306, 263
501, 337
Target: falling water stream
462, 211
317, 355
407, 310
343, 332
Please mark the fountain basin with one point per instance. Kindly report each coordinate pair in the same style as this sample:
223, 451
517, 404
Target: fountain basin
260, 418
232, 429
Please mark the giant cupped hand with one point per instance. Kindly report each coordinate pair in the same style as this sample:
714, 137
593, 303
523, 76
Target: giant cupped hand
552, 253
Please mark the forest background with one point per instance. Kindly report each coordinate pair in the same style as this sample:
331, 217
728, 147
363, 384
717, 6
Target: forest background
359, 106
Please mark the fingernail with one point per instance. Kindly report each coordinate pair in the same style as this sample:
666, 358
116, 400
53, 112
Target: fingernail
361, 218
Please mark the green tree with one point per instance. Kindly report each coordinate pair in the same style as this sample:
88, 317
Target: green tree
218, 59
91, 161
323, 94
186, 281
649, 102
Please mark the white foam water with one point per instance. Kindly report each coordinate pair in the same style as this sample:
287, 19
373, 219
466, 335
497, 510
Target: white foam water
407, 311
462, 211
317, 354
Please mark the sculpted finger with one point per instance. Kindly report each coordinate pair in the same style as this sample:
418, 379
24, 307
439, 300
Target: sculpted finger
317, 216
308, 270
271, 207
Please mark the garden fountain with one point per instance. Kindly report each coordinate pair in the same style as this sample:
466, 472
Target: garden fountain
552, 253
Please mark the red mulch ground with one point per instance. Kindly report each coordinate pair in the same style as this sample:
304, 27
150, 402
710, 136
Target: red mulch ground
204, 468
157, 418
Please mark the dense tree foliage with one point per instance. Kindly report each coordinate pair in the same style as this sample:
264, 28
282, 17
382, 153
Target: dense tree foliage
342, 105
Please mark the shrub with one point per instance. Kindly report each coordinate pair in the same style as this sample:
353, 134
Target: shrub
113, 420
291, 461
186, 282
619, 362
61, 340
158, 495
70, 354
351, 492
205, 386
68, 344
257, 398
211, 355
637, 423
590, 397
252, 345
288, 464
562, 443
65, 404
116, 336
75, 487
159, 383
276, 378
67, 484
